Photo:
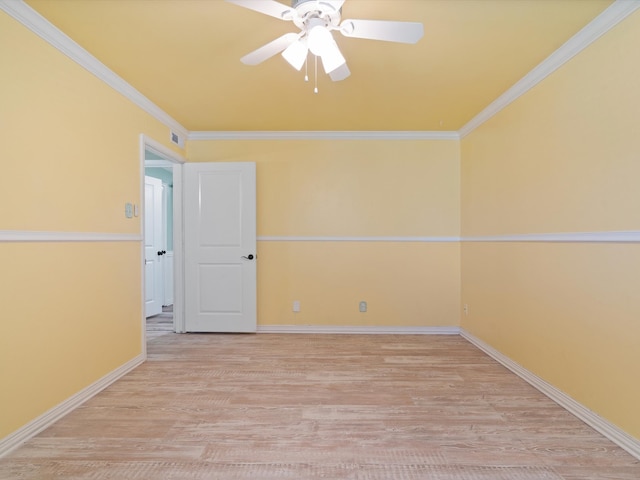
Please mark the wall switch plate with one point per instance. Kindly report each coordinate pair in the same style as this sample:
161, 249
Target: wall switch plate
296, 306
128, 210
362, 306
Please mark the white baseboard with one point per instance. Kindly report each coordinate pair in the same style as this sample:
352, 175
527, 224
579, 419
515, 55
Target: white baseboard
358, 330
48, 418
613, 433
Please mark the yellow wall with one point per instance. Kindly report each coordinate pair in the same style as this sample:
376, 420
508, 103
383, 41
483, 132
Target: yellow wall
71, 312
348, 188
562, 158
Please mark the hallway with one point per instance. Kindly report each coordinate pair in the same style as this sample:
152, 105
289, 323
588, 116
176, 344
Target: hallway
161, 324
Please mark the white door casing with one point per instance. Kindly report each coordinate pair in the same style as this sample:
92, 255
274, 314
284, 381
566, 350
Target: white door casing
167, 258
153, 244
220, 247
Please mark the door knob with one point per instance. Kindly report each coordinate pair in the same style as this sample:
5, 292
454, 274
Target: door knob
248, 257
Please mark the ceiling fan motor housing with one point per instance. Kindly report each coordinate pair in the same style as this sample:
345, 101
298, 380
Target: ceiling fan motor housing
307, 9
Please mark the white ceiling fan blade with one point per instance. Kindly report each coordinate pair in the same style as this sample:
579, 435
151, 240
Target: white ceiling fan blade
269, 50
340, 73
268, 7
296, 53
331, 57
403, 32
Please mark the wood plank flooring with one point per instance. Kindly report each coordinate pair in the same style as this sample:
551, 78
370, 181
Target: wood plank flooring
159, 325
301, 407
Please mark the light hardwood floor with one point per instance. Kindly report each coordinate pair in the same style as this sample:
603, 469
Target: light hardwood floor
161, 324
319, 407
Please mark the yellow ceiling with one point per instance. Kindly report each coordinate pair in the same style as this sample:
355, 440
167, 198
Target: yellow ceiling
184, 55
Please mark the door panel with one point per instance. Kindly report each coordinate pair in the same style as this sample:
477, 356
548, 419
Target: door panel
220, 196
153, 243
220, 246
228, 284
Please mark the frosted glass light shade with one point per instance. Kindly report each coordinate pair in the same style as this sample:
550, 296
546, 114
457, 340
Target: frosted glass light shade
318, 39
332, 57
296, 54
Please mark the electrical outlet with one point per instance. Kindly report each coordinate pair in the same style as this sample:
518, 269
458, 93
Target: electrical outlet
363, 307
465, 308
296, 306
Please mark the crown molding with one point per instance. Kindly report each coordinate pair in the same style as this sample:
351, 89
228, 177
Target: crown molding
35, 22
610, 17
614, 14
324, 135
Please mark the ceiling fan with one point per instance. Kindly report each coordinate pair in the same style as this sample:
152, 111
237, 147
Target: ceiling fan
317, 19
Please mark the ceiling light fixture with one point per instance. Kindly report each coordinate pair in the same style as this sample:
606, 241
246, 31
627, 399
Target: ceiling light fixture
317, 19
322, 44
296, 53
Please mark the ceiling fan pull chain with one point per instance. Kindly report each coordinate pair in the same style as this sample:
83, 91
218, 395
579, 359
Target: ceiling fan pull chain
315, 90
306, 69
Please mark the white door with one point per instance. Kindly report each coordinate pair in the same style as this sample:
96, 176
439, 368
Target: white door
220, 247
153, 246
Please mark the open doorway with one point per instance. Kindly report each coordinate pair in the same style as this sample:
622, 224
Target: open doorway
160, 167
159, 272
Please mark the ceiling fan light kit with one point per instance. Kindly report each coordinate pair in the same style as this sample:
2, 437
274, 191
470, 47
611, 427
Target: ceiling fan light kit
318, 36
296, 53
317, 19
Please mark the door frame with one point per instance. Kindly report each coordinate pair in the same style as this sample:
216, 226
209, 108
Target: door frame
175, 160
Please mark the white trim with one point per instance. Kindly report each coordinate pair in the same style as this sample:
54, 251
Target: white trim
569, 237
613, 433
357, 239
176, 161
31, 429
325, 135
600, 25
358, 330
155, 147
164, 164
178, 252
36, 236
610, 17
632, 236
142, 145
169, 279
39, 25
